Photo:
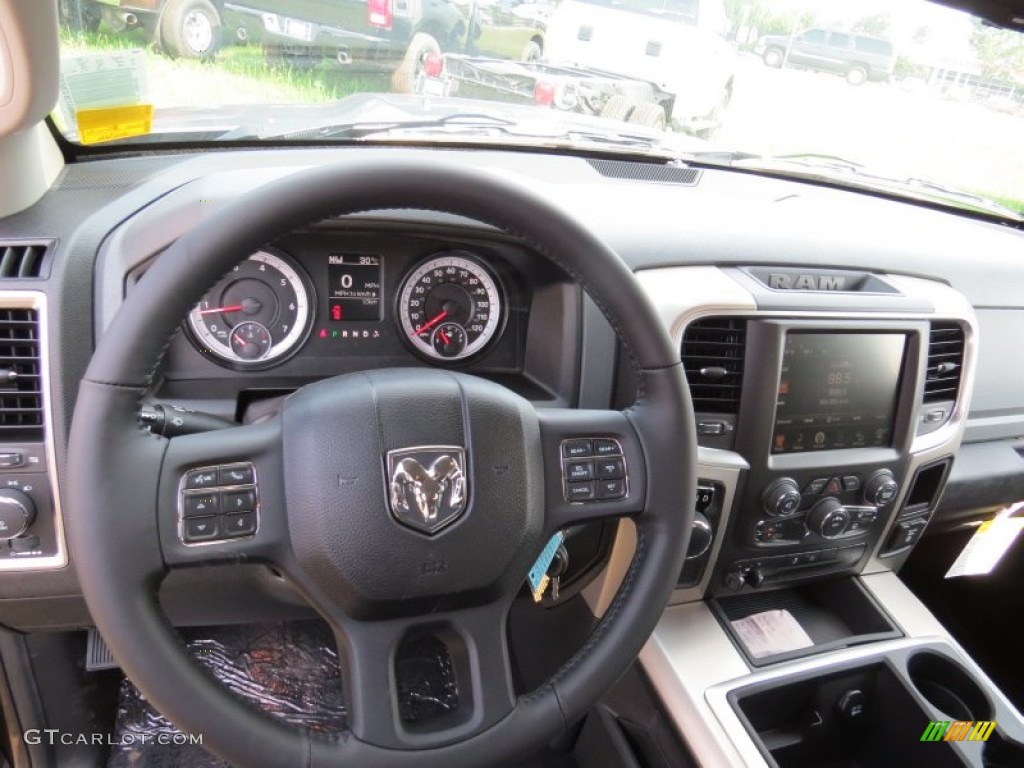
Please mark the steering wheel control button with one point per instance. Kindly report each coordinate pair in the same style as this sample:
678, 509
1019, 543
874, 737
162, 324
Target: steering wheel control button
575, 471
199, 504
218, 503
238, 501
201, 478
582, 491
611, 489
593, 469
202, 528
240, 524
607, 447
237, 474
577, 449
610, 469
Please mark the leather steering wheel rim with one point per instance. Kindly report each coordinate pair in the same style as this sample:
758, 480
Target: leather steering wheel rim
113, 514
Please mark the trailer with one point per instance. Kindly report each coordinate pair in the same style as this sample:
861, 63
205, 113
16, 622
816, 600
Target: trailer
573, 89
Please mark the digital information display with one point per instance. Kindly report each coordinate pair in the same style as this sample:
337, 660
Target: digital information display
837, 390
354, 292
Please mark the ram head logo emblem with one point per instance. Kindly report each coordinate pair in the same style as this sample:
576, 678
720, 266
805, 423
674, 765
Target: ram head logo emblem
427, 486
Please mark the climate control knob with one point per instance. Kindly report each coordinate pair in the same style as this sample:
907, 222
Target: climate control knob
781, 498
881, 488
828, 518
17, 512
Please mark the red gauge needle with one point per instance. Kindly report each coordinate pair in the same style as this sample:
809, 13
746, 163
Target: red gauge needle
444, 337
432, 322
232, 308
241, 341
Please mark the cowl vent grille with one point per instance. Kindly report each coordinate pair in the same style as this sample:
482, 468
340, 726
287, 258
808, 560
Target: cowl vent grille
21, 394
22, 260
712, 355
945, 362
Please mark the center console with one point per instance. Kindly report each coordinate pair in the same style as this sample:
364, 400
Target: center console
828, 420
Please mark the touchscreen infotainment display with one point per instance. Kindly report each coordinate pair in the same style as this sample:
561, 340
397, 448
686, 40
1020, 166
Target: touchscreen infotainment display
837, 390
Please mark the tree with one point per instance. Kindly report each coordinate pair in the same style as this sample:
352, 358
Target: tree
877, 25
754, 13
1000, 52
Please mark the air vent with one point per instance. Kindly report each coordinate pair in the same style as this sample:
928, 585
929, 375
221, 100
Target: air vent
945, 362
712, 355
21, 394
631, 171
22, 259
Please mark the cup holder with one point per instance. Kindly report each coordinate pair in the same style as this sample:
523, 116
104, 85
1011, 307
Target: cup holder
948, 687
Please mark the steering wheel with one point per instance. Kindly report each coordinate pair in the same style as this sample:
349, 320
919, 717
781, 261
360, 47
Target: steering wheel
325, 483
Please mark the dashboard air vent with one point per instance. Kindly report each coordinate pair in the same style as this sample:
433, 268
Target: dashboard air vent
22, 259
945, 362
712, 354
21, 393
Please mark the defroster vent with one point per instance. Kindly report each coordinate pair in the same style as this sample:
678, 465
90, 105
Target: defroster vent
945, 362
712, 354
21, 393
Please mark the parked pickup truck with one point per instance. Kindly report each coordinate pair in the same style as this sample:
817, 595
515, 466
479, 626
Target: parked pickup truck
364, 34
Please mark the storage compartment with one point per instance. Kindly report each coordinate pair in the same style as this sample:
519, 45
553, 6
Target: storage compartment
833, 614
863, 716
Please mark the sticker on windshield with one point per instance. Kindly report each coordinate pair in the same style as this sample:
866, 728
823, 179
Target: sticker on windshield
110, 123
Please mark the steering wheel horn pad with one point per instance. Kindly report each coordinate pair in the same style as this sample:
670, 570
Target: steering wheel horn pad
327, 518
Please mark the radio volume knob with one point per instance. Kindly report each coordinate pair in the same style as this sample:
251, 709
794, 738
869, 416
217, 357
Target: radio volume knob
828, 518
881, 488
17, 512
781, 498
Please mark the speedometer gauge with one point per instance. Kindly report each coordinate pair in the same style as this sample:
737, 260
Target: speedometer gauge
450, 307
256, 315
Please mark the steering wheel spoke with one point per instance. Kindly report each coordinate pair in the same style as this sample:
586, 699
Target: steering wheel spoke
424, 681
222, 497
594, 466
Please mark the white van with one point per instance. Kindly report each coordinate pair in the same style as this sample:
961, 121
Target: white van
679, 45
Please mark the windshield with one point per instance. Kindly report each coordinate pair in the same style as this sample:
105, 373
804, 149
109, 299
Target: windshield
905, 94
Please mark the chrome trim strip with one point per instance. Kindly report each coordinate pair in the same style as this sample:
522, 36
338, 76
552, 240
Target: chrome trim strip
37, 300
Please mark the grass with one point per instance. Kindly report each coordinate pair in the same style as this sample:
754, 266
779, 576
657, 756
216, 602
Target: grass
240, 74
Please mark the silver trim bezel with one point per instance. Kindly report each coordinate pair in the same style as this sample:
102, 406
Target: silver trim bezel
37, 300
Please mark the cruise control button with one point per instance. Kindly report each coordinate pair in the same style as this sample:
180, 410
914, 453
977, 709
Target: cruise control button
582, 491
607, 447
239, 474
238, 501
197, 504
577, 449
239, 524
611, 489
201, 478
577, 471
202, 528
608, 469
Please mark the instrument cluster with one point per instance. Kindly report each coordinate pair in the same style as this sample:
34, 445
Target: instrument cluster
448, 306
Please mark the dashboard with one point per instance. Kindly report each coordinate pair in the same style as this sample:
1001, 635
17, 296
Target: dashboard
850, 384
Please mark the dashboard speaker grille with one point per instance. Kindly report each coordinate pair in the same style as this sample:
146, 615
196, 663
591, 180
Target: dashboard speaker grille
632, 171
21, 395
712, 354
945, 362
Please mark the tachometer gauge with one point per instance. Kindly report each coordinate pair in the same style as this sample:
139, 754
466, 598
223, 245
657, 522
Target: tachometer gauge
256, 315
450, 307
